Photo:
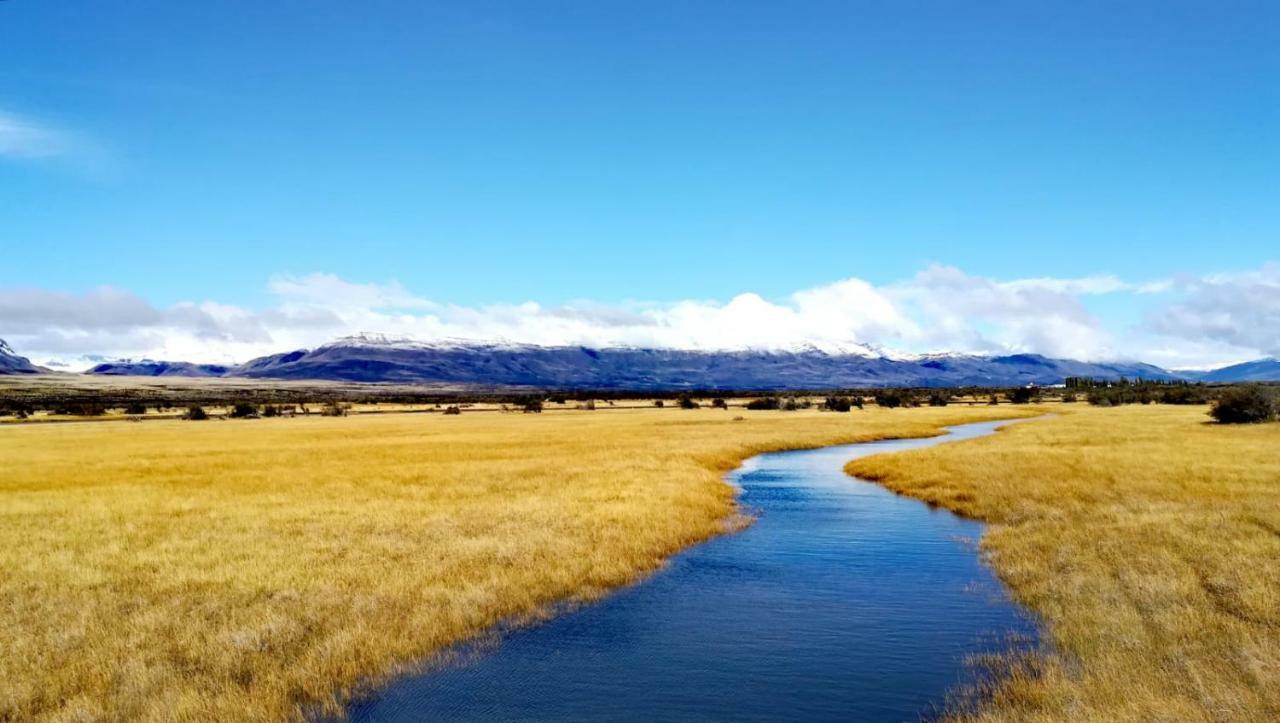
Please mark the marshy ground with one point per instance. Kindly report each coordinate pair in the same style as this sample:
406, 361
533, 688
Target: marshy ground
263, 569
260, 569
1147, 538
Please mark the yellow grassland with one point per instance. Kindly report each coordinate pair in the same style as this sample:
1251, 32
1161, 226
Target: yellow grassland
1149, 542
266, 569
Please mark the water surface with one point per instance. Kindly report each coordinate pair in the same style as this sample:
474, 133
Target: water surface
842, 602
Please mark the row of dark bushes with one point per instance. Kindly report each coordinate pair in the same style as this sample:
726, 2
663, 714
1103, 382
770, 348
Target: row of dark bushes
245, 410
1249, 403
1148, 394
1234, 405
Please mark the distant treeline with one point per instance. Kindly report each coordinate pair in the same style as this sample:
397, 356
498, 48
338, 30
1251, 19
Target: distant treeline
268, 400
88, 402
1141, 391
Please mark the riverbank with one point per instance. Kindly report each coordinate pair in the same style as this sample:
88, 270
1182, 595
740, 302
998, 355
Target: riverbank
1149, 542
843, 601
259, 569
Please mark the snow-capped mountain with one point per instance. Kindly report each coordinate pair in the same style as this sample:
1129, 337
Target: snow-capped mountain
11, 363
152, 368
495, 363
373, 358
1258, 370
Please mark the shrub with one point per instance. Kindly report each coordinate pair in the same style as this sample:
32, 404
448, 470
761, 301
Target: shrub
1244, 405
20, 410
719, 404
453, 409
687, 402
270, 410
1023, 395
589, 405
532, 406
334, 409
764, 403
1184, 394
837, 404
83, 409
196, 414
939, 398
893, 398
858, 402
1069, 398
243, 410
1099, 397
994, 400
659, 403
135, 408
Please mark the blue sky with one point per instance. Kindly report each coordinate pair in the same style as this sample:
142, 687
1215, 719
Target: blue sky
606, 154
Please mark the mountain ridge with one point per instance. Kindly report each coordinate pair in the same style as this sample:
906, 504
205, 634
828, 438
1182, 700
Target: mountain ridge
152, 368
1266, 369
367, 358
11, 363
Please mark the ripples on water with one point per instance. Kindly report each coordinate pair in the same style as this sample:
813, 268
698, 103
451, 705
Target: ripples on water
842, 602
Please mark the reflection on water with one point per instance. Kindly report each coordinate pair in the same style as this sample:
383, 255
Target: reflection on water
842, 602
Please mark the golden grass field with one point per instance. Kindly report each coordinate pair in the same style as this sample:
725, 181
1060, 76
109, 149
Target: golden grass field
1149, 541
265, 569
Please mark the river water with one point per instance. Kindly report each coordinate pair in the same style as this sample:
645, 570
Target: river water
843, 601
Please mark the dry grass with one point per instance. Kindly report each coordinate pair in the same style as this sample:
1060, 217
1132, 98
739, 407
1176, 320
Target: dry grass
259, 569
1148, 540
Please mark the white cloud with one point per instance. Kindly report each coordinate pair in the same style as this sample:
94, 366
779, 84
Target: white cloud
331, 292
973, 313
1214, 319
1105, 284
24, 138
1237, 310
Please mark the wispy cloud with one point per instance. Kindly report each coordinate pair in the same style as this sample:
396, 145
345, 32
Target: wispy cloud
25, 138
1104, 284
331, 291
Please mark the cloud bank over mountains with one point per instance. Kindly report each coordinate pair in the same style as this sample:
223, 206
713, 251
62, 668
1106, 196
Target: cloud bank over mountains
1239, 310
1187, 322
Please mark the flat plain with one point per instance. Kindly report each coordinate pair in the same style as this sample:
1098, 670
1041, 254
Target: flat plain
268, 569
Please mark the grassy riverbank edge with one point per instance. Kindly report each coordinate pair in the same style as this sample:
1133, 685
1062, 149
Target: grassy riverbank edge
1146, 540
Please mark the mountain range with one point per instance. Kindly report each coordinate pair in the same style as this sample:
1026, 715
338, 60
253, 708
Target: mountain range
366, 358
11, 363
372, 358
149, 368
1259, 370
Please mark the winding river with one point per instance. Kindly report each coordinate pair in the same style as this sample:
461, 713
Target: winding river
843, 601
